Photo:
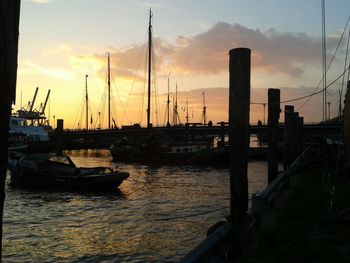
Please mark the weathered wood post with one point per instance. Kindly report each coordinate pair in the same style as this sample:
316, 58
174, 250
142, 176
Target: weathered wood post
9, 24
239, 102
272, 121
295, 137
300, 133
287, 135
222, 133
59, 136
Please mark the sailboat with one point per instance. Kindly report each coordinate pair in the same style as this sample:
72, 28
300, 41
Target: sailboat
160, 147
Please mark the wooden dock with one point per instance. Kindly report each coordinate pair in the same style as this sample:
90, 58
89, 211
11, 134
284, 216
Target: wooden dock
84, 139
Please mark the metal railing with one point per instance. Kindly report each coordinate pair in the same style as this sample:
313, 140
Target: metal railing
214, 247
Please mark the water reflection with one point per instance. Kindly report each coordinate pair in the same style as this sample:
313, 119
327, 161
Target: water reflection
149, 220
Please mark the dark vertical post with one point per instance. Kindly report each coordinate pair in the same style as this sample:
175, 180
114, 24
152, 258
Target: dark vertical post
346, 122
222, 133
287, 135
168, 103
149, 69
59, 136
272, 121
109, 91
86, 103
9, 24
300, 136
239, 102
295, 137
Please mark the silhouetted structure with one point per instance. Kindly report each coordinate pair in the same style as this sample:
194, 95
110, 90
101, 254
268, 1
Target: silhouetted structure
273, 118
9, 23
239, 104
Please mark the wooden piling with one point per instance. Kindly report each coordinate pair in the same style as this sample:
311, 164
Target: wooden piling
222, 133
295, 137
59, 136
9, 24
239, 102
273, 119
299, 135
287, 135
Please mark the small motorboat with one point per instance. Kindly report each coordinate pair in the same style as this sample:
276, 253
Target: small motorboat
51, 170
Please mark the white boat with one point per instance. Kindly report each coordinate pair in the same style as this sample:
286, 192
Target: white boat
23, 136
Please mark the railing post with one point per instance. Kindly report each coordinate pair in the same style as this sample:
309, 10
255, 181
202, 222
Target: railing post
239, 102
273, 118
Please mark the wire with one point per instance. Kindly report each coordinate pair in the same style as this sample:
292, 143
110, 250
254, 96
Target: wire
330, 63
306, 96
314, 92
345, 63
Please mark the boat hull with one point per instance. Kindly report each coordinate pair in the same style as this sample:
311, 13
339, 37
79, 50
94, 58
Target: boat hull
34, 178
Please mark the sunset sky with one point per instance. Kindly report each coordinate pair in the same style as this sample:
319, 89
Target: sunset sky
63, 40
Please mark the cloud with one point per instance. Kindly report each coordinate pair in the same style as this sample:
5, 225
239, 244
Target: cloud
40, 1
290, 54
86, 64
51, 72
272, 51
58, 50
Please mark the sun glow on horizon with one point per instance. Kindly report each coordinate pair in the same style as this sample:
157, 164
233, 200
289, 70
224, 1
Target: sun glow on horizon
56, 52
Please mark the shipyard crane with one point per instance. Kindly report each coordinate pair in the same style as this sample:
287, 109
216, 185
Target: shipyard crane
32, 103
34, 115
42, 112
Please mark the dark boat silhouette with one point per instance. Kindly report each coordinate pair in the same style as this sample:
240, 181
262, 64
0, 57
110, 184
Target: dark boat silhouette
50, 170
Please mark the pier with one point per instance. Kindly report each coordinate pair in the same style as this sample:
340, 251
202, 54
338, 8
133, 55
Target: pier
104, 138
308, 206
296, 210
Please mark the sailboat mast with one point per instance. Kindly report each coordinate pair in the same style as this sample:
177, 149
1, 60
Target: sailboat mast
149, 69
187, 116
86, 103
109, 93
168, 101
175, 116
204, 110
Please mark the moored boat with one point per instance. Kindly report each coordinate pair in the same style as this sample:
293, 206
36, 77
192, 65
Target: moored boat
58, 171
35, 137
158, 148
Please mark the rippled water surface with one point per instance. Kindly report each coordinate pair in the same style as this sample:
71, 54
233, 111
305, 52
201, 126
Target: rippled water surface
158, 215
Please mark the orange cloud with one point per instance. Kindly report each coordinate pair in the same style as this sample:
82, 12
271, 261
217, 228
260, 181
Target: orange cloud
207, 52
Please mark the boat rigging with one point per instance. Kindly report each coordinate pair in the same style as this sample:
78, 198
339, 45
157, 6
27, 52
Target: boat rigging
149, 68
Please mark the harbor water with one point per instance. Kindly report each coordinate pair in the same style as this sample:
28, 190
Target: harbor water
158, 215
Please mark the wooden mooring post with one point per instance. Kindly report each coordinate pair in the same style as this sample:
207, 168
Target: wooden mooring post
239, 103
299, 134
273, 119
293, 142
295, 138
288, 135
222, 133
59, 136
9, 31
